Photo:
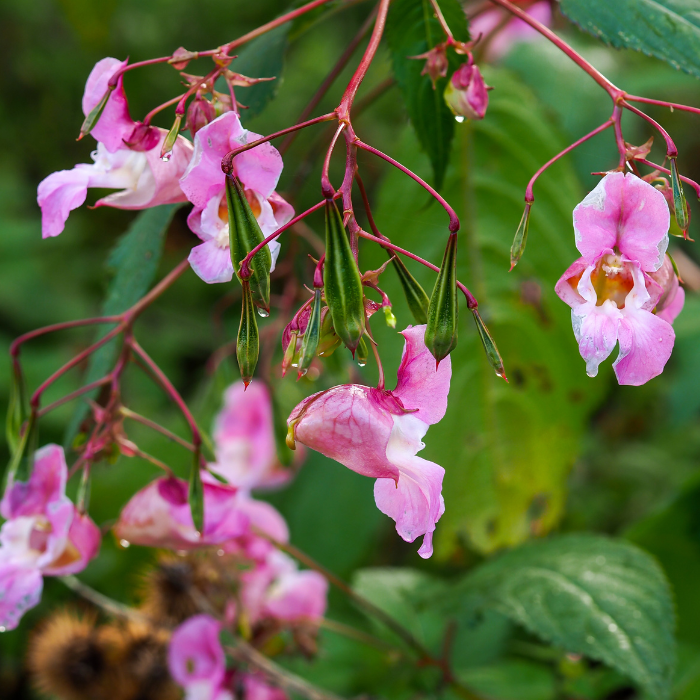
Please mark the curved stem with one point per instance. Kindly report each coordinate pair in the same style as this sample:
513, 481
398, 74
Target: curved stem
74, 395
687, 180
326, 187
138, 418
662, 103
529, 197
671, 150
443, 23
454, 219
619, 140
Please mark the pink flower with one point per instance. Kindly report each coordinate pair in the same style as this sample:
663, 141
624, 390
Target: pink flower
378, 433
255, 688
44, 535
204, 183
159, 516
196, 659
514, 31
246, 454
622, 289
137, 170
467, 94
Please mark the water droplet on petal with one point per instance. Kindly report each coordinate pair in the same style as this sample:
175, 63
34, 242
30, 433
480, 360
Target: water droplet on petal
263, 312
459, 118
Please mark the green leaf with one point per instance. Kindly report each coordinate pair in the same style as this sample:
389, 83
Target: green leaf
666, 29
588, 595
412, 30
135, 260
506, 448
511, 679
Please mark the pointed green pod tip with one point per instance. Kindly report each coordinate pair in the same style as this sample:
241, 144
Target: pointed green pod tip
416, 298
679, 202
248, 342
362, 353
93, 116
342, 282
312, 334
244, 235
195, 494
492, 354
443, 312
17, 411
166, 151
520, 239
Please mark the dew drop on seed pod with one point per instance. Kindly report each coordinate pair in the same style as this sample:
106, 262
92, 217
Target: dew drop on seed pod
263, 313
302, 373
360, 363
459, 118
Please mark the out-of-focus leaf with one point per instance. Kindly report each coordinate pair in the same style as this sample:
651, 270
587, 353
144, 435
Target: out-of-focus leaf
666, 29
506, 448
511, 680
685, 389
588, 595
135, 260
412, 29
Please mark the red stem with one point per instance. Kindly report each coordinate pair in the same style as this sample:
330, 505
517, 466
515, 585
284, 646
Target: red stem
662, 103
326, 187
619, 140
227, 161
671, 150
687, 180
454, 219
443, 23
74, 395
529, 197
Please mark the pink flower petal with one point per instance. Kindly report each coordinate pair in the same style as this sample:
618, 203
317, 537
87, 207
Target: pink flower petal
596, 328
114, 123
419, 384
195, 653
211, 262
257, 689
567, 286
57, 195
416, 502
671, 310
21, 590
83, 544
298, 595
625, 212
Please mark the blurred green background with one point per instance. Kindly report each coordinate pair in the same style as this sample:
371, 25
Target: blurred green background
553, 450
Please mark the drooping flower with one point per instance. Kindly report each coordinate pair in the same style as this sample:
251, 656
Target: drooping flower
127, 158
466, 93
378, 433
44, 535
258, 169
514, 31
623, 287
197, 661
246, 455
159, 516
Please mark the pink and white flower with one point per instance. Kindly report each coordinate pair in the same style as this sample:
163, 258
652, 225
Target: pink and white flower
127, 158
378, 433
159, 516
246, 454
204, 183
197, 661
44, 535
623, 288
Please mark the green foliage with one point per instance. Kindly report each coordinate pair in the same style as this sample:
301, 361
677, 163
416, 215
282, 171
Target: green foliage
506, 448
588, 595
134, 260
412, 30
666, 29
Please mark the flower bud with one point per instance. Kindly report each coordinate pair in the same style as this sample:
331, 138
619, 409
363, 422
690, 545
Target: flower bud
248, 342
342, 281
244, 235
389, 317
309, 343
441, 328
416, 298
143, 137
199, 114
436, 63
466, 94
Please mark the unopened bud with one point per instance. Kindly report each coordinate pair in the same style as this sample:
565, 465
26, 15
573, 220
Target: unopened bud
443, 312
290, 352
248, 342
436, 63
199, 114
466, 94
244, 234
143, 138
389, 317
342, 281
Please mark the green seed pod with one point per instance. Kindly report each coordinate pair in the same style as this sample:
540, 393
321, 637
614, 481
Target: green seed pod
520, 240
441, 329
362, 354
166, 151
290, 353
329, 340
244, 235
494, 357
279, 422
17, 408
417, 299
679, 203
21, 462
342, 282
94, 114
248, 343
82, 500
309, 342
195, 494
